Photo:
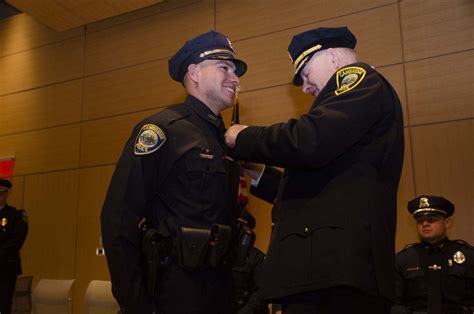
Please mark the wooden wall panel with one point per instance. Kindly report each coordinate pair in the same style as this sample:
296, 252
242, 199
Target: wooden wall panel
436, 27
139, 14
43, 150
406, 232
146, 39
130, 89
22, 32
379, 44
15, 195
51, 203
273, 105
441, 88
396, 76
42, 66
103, 140
267, 16
93, 184
54, 105
442, 159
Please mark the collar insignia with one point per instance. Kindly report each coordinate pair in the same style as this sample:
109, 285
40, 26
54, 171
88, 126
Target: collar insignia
149, 139
459, 257
348, 78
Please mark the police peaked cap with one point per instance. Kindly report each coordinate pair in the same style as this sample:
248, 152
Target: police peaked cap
210, 45
5, 185
304, 45
428, 204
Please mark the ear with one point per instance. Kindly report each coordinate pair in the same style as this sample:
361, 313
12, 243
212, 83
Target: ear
193, 72
448, 222
333, 57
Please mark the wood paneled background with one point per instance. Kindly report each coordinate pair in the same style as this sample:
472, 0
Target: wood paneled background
68, 102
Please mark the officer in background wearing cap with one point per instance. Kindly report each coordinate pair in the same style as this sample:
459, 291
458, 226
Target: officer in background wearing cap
436, 275
173, 172
246, 299
13, 231
332, 248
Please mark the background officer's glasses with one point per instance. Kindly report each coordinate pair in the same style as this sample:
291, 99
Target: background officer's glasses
429, 219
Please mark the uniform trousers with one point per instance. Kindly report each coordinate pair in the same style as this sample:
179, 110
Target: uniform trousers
337, 300
200, 291
7, 288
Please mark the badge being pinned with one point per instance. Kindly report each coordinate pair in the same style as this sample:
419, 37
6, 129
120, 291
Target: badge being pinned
150, 138
348, 78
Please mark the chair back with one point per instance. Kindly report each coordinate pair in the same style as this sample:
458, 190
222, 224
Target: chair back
22, 296
52, 296
99, 298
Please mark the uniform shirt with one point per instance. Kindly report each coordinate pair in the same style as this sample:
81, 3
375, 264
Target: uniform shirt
423, 268
13, 231
185, 182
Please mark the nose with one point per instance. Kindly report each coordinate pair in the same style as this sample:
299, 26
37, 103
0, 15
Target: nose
235, 80
306, 87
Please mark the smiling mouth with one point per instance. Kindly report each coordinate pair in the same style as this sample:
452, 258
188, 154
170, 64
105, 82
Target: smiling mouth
230, 90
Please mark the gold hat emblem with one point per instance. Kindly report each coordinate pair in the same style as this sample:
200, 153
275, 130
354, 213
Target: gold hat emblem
459, 257
4, 222
424, 202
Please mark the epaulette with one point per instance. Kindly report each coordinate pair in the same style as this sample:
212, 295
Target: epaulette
464, 243
409, 246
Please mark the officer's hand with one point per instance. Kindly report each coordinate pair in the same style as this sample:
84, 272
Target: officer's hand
232, 133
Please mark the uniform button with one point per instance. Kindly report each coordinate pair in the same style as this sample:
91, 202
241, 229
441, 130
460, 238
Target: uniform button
306, 229
273, 224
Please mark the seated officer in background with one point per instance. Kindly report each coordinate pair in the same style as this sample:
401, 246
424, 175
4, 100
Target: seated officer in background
174, 174
13, 231
436, 275
249, 261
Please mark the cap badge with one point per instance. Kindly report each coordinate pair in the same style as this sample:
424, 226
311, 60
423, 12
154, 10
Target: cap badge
348, 78
4, 222
459, 257
149, 139
424, 202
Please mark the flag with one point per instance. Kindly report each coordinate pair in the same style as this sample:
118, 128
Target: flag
7, 165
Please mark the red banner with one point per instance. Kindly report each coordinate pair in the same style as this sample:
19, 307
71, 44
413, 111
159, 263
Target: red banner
7, 166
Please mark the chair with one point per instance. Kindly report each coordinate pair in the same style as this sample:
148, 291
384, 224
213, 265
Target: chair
52, 296
22, 295
99, 298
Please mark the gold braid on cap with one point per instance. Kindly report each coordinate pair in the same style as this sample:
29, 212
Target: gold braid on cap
303, 57
209, 52
433, 210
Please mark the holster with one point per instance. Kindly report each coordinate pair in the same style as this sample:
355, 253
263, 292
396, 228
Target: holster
246, 241
155, 249
202, 247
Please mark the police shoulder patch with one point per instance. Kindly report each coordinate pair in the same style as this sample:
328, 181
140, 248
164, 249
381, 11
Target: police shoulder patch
149, 139
348, 78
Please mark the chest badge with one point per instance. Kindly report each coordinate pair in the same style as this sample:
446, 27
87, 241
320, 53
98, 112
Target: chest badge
4, 222
348, 78
459, 257
149, 139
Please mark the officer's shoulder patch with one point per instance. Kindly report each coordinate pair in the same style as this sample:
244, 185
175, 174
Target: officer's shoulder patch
149, 139
348, 78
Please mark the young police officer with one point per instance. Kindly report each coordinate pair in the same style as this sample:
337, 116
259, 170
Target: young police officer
174, 173
436, 275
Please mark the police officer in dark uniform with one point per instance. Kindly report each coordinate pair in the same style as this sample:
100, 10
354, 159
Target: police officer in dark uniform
246, 299
332, 247
174, 174
436, 275
13, 231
